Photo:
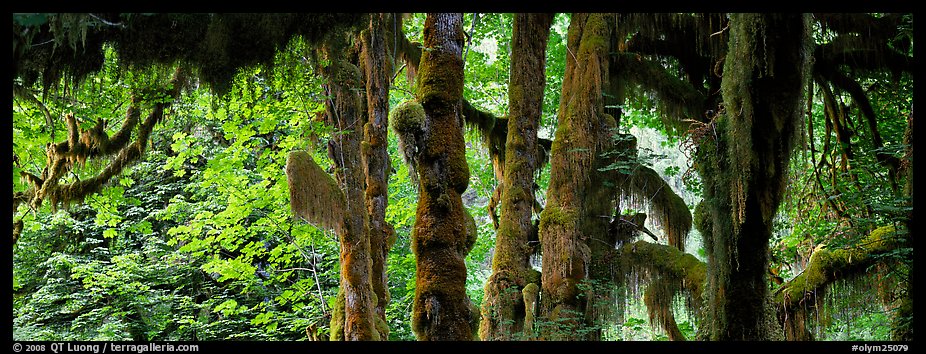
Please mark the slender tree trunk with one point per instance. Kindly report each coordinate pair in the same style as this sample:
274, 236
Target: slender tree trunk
346, 116
442, 310
566, 251
377, 69
902, 326
503, 309
746, 171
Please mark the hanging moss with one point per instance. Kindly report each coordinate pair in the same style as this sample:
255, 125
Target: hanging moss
314, 194
95, 144
677, 101
826, 266
669, 273
659, 298
217, 45
407, 121
667, 208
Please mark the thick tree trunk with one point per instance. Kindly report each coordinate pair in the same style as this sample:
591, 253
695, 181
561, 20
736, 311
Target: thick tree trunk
442, 310
503, 309
566, 251
377, 69
746, 171
346, 116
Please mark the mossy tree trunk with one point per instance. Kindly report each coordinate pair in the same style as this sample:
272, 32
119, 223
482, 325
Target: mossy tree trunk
377, 69
902, 326
745, 170
566, 252
442, 310
354, 313
503, 309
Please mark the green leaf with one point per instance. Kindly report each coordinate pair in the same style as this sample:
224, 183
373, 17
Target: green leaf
227, 308
110, 233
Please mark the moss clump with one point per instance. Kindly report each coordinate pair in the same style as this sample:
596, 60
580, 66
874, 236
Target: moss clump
471, 231
314, 194
407, 118
407, 121
702, 220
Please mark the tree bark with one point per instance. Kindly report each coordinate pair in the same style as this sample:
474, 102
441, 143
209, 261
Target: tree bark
442, 310
503, 311
346, 116
565, 246
746, 170
377, 71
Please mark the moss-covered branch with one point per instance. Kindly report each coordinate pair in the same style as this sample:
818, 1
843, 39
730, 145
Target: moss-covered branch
666, 270
677, 99
646, 188
667, 261
825, 267
94, 144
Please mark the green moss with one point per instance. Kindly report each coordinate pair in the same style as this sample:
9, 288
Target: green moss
337, 318
471, 231
880, 237
553, 216
531, 288
407, 117
702, 219
516, 194
595, 38
439, 80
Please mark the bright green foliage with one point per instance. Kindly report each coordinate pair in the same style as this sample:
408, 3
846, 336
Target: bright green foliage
196, 241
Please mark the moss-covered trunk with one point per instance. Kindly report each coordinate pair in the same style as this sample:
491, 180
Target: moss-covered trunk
345, 114
745, 169
902, 326
441, 309
503, 309
377, 70
565, 246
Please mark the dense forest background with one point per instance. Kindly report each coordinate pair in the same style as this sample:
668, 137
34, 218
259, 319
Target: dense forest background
158, 192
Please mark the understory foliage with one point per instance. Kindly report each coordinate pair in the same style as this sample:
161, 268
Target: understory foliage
152, 199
